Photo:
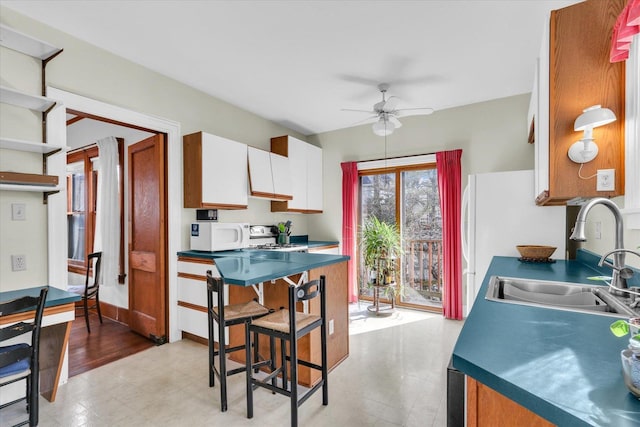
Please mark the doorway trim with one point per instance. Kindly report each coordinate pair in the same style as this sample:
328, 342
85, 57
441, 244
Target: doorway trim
174, 187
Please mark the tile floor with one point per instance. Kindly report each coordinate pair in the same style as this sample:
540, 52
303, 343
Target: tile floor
395, 376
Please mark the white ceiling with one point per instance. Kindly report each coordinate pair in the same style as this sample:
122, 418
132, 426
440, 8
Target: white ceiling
298, 63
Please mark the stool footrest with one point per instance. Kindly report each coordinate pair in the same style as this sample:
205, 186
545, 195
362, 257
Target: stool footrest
309, 392
275, 389
307, 364
230, 349
235, 371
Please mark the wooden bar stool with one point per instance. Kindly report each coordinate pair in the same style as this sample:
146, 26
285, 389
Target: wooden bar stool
288, 325
226, 315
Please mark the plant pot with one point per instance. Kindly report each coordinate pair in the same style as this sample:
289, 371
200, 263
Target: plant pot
631, 371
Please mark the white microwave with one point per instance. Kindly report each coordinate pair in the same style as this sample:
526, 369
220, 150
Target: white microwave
219, 236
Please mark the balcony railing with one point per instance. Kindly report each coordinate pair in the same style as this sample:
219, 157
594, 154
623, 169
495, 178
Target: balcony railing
422, 271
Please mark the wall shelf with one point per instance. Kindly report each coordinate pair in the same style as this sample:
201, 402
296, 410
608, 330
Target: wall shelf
30, 188
33, 147
28, 45
25, 100
22, 43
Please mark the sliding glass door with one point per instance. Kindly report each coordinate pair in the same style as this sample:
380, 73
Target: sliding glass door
408, 197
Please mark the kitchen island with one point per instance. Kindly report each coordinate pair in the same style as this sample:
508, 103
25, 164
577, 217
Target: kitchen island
564, 367
266, 275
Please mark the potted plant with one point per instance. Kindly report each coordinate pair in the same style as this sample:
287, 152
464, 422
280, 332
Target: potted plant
381, 246
631, 355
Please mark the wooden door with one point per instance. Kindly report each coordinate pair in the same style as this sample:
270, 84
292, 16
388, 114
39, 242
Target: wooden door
147, 238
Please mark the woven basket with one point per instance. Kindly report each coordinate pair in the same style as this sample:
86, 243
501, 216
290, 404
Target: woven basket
535, 251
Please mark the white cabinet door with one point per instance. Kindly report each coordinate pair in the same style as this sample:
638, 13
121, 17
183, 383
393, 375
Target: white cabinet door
224, 171
299, 166
192, 298
281, 173
260, 176
325, 250
314, 178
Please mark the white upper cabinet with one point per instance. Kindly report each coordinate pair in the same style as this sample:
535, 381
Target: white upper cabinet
314, 178
215, 172
305, 161
269, 175
281, 173
260, 179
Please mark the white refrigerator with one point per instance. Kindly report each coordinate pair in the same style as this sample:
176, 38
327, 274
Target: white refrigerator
499, 213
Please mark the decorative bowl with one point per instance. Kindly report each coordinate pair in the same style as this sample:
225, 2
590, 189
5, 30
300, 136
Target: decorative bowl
535, 251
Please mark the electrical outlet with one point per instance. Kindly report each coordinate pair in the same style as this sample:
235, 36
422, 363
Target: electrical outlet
331, 327
606, 180
18, 211
18, 262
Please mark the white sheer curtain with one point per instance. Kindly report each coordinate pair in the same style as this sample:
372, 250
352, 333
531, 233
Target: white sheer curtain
107, 236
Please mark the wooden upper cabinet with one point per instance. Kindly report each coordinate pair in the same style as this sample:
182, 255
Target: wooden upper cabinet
305, 162
215, 172
579, 76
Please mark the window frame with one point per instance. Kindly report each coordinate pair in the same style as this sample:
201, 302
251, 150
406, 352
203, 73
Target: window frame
397, 166
87, 156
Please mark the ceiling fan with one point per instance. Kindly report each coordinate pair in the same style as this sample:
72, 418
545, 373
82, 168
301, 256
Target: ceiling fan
386, 114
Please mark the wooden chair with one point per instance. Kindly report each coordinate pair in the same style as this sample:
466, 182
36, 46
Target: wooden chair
223, 316
90, 291
288, 325
20, 361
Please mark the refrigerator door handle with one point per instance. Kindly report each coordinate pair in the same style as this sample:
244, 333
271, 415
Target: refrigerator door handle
463, 231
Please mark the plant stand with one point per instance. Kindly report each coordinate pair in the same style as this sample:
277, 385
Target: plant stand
381, 309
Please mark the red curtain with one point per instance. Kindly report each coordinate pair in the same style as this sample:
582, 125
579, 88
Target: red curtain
627, 25
449, 187
349, 224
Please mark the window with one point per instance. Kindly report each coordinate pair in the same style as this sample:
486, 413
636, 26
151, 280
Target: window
82, 187
81, 207
407, 195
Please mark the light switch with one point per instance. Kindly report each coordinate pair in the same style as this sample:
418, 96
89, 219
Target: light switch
18, 212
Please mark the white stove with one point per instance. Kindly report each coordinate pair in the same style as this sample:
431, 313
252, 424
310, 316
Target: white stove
263, 237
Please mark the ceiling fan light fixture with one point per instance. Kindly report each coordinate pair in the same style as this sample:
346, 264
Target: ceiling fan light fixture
383, 127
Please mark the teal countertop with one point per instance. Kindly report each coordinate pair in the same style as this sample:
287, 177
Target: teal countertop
55, 296
247, 268
561, 365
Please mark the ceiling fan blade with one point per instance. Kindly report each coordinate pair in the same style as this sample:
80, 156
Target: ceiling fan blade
367, 120
390, 104
415, 111
395, 121
357, 111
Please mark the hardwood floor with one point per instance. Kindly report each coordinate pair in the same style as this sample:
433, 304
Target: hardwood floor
106, 343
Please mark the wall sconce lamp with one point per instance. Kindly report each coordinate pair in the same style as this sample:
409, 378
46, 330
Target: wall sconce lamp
585, 150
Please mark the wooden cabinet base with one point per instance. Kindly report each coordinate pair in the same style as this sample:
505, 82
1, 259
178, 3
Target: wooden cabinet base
487, 407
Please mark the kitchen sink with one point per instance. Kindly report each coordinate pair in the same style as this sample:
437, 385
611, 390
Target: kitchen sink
557, 295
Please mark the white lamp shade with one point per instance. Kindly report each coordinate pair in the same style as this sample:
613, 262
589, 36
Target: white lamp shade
383, 127
593, 117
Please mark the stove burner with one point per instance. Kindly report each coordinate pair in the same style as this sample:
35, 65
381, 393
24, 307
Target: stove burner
276, 246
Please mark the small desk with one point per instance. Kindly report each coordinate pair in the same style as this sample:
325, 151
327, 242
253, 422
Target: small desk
59, 312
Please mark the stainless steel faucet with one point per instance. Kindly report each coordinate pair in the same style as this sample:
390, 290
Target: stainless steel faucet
617, 280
